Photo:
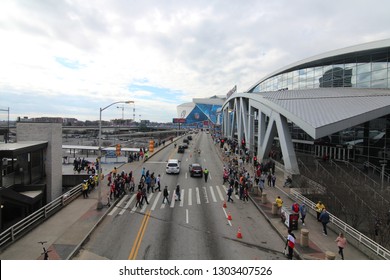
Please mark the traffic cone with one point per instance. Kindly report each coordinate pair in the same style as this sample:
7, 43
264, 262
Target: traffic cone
224, 204
229, 217
239, 235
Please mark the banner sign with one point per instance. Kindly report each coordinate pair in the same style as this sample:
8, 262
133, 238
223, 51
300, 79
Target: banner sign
179, 120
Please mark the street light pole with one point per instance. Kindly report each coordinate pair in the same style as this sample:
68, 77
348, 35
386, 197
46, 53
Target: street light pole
99, 202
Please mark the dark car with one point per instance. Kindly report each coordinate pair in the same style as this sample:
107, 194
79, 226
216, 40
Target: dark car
195, 169
180, 149
185, 145
186, 141
189, 137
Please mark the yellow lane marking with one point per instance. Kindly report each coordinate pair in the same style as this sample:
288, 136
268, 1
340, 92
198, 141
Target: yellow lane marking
140, 235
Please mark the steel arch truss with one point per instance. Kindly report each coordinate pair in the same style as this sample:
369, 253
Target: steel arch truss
239, 114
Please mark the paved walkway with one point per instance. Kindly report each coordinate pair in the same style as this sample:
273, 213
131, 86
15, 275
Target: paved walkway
66, 231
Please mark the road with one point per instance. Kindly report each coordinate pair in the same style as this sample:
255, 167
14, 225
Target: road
195, 228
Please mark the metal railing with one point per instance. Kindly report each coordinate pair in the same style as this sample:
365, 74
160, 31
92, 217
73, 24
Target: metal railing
364, 243
18, 230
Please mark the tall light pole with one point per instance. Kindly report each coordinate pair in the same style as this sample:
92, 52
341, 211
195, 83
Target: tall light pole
7, 138
100, 203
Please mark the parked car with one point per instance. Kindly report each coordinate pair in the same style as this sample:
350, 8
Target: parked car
195, 169
180, 149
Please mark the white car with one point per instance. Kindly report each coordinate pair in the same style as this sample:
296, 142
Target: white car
173, 166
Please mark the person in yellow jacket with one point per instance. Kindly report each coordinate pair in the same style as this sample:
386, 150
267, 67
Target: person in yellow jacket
279, 202
85, 189
319, 207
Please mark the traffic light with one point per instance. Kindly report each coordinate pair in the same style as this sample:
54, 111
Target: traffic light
118, 149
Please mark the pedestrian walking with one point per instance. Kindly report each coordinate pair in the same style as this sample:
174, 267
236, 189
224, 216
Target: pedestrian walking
303, 211
158, 183
324, 218
108, 200
144, 196
139, 199
85, 189
229, 193
290, 244
177, 192
341, 243
246, 195
319, 207
279, 202
261, 185
206, 174
165, 194
273, 179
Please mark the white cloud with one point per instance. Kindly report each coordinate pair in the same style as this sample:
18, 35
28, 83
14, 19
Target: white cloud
196, 49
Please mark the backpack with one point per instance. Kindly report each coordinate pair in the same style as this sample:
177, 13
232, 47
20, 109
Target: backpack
295, 207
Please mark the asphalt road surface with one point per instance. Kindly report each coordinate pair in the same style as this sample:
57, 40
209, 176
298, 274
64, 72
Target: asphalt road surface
195, 228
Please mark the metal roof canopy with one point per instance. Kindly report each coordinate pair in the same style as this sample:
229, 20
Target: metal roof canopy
324, 111
21, 147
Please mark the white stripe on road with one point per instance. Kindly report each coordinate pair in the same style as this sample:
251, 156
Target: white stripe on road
212, 194
173, 200
205, 195
127, 204
197, 196
189, 197
182, 198
155, 201
144, 208
187, 216
219, 193
226, 216
117, 206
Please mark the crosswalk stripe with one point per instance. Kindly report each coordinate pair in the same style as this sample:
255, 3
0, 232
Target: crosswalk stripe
182, 198
173, 200
197, 195
213, 194
144, 208
127, 205
189, 196
155, 201
205, 195
219, 193
117, 206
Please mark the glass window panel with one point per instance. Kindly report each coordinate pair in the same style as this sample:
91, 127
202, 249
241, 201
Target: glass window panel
378, 75
310, 73
379, 66
379, 83
363, 77
318, 71
363, 68
363, 85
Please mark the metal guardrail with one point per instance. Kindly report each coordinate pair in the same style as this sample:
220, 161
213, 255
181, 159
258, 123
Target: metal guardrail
18, 230
363, 242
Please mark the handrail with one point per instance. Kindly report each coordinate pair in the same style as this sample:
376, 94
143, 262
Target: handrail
360, 238
18, 230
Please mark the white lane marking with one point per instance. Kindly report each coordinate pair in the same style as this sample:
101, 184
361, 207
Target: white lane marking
220, 193
127, 204
226, 216
173, 200
117, 206
205, 195
144, 208
186, 175
187, 216
182, 198
197, 196
189, 197
155, 201
212, 194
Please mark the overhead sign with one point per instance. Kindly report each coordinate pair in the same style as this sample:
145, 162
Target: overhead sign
179, 120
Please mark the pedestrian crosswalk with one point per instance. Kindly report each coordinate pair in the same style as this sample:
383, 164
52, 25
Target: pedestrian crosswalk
190, 197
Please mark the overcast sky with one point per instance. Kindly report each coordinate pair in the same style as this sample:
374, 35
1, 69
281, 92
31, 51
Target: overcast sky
70, 58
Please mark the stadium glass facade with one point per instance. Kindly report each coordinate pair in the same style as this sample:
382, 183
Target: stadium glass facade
363, 66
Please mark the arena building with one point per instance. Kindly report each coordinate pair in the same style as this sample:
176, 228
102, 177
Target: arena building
334, 106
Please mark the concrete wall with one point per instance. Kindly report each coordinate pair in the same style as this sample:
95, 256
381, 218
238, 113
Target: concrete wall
51, 132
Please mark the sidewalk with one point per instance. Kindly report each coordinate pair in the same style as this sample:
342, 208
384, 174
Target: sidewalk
318, 243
